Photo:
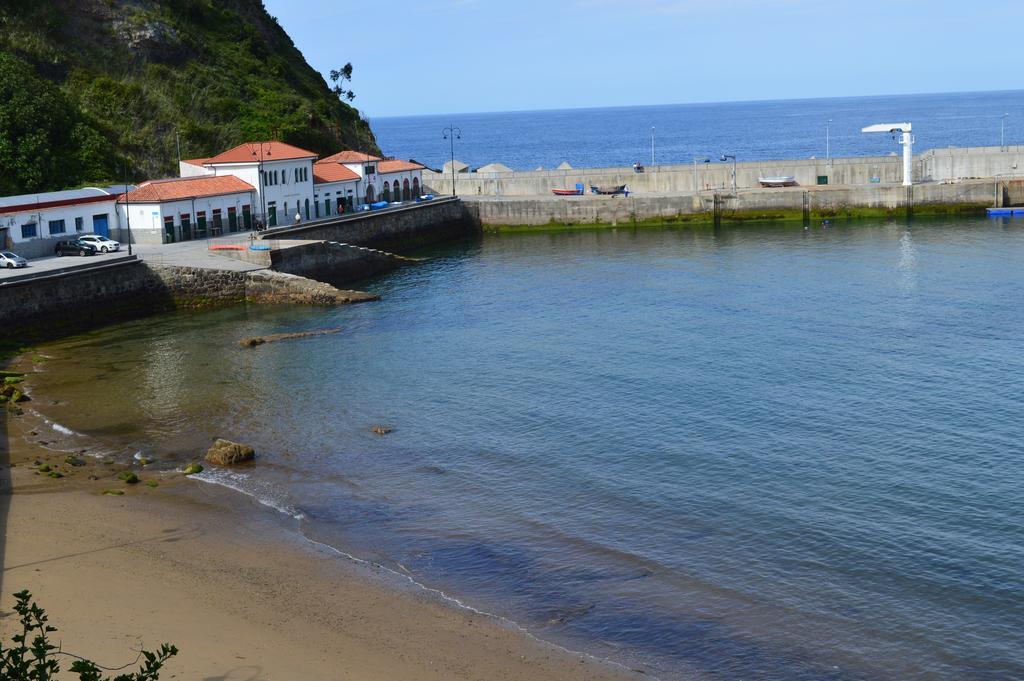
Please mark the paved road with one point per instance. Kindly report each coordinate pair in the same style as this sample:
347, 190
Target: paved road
52, 263
184, 254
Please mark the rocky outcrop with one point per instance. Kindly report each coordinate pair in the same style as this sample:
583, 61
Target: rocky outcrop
227, 453
253, 341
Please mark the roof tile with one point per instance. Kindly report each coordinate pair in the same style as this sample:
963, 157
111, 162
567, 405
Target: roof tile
385, 167
250, 152
350, 157
332, 172
176, 189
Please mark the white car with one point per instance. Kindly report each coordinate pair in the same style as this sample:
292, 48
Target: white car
102, 243
12, 260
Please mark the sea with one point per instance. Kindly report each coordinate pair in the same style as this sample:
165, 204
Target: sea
751, 131
754, 452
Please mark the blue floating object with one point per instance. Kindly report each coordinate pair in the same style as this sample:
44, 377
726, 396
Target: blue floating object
1003, 211
260, 247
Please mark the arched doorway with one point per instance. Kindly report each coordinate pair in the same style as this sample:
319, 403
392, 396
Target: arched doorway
370, 194
416, 187
405, 189
386, 196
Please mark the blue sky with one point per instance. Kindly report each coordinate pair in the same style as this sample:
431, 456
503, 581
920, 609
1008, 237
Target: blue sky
448, 56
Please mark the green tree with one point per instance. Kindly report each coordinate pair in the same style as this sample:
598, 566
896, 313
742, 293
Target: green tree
339, 77
44, 142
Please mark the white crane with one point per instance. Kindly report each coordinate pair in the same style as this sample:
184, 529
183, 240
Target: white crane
906, 139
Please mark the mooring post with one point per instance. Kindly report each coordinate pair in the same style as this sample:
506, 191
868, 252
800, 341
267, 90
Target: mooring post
807, 208
717, 208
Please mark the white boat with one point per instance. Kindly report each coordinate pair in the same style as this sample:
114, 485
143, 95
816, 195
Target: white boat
778, 181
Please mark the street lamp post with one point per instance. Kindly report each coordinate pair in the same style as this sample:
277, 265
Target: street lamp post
696, 160
652, 147
127, 210
451, 133
1002, 131
264, 150
727, 157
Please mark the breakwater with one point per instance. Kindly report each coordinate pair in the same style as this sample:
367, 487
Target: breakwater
930, 166
393, 229
968, 197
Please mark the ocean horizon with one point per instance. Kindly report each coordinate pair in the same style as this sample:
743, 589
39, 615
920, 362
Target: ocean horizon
752, 130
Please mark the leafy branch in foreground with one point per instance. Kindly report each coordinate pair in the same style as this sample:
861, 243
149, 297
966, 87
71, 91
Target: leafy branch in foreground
31, 656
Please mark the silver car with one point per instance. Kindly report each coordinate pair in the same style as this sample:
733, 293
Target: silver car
12, 260
102, 243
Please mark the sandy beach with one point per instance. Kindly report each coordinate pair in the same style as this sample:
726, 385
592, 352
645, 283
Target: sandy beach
224, 580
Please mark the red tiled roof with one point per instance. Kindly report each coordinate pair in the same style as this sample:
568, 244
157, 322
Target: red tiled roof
176, 189
332, 172
272, 151
350, 157
385, 167
196, 161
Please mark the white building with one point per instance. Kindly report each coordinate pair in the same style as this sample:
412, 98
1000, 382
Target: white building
281, 174
184, 208
291, 181
31, 224
335, 187
380, 179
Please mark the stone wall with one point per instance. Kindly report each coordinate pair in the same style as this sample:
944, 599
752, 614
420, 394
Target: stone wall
934, 165
334, 263
53, 306
394, 229
785, 202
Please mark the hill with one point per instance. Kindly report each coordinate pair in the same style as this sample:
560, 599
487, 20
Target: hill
89, 88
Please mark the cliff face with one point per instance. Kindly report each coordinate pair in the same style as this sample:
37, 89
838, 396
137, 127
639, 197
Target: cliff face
90, 88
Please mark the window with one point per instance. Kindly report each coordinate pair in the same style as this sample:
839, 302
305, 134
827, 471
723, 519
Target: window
369, 170
79, 224
284, 176
275, 177
28, 230
57, 227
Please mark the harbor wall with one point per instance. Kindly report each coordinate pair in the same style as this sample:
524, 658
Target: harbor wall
335, 263
52, 306
396, 229
935, 165
781, 203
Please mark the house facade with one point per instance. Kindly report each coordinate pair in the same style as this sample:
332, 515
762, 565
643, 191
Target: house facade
281, 174
32, 224
185, 208
380, 179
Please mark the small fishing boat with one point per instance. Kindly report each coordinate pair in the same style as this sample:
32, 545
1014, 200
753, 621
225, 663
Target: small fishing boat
778, 181
620, 189
569, 192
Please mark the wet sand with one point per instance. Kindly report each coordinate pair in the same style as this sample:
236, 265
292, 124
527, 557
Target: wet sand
224, 579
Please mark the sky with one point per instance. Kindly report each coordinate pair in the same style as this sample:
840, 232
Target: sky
457, 56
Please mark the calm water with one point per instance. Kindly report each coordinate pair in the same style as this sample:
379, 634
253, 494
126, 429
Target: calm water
588, 138
759, 453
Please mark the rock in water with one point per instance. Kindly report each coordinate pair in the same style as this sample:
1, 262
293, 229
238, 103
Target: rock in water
381, 430
227, 453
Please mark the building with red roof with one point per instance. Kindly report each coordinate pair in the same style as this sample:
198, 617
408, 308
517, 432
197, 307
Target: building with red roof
184, 208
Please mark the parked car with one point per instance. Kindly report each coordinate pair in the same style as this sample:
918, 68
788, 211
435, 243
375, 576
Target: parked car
74, 247
102, 243
12, 260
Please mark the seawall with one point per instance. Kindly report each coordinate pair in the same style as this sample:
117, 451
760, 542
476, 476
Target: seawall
931, 166
967, 197
334, 263
49, 307
397, 229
